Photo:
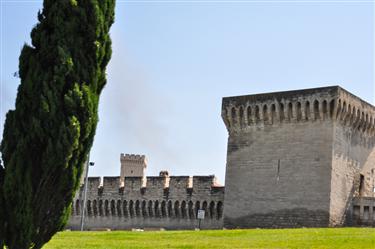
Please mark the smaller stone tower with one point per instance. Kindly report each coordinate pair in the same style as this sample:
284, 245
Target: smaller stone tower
133, 165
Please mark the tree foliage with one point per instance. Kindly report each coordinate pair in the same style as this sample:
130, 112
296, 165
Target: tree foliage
47, 137
2, 219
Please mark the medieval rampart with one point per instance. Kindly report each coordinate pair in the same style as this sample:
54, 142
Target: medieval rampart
302, 158
151, 202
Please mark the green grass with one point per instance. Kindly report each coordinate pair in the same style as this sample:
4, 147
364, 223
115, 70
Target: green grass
321, 238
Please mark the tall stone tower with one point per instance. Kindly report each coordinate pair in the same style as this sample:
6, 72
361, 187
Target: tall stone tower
297, 158
133, 165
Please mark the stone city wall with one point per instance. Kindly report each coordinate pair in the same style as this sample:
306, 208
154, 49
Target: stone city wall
151, 202
300, 158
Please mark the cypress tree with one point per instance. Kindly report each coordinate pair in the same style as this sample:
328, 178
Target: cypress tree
2, 217
47, 137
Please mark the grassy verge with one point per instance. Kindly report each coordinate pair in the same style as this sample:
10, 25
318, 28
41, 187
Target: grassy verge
324, 238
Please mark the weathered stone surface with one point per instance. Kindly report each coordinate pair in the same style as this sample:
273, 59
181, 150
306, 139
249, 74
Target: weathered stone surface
283, 218
302, 158
151, 204
296, 158
362, 212
133, 165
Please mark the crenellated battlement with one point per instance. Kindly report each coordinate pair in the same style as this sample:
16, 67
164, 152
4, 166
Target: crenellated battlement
141, 159
146, 201
301, 158
334, 103
173, 184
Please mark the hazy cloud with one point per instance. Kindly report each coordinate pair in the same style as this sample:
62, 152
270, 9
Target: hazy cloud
133, 117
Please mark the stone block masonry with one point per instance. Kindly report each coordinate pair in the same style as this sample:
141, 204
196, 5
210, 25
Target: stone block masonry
132, 165
363, 212
303, 158
297, 158
149, 203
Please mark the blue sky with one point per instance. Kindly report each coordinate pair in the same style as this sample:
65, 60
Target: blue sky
173, 62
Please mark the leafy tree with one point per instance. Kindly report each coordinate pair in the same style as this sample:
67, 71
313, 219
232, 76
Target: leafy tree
47, 137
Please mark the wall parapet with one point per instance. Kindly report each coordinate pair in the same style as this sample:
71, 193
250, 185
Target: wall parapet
141, 159
241, 113
135, 183
152, 198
